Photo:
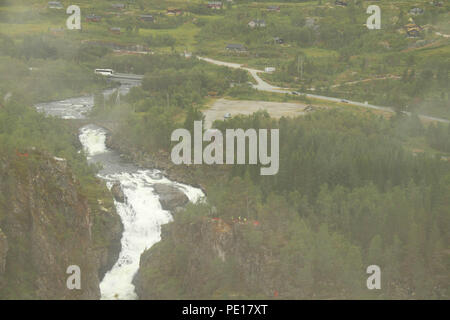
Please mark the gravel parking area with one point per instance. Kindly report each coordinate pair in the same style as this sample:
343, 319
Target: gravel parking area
246, 107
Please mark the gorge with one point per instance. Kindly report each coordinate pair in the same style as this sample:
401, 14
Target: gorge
140, 212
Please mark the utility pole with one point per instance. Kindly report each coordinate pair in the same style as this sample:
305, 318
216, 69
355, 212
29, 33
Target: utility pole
298, 67
301, 76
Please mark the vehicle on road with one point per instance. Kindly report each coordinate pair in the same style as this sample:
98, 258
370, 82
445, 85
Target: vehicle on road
309, 108
104, 72
227, 116
344, 101
296, 93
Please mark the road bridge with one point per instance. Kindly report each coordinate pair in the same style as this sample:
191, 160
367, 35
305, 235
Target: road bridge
126, 76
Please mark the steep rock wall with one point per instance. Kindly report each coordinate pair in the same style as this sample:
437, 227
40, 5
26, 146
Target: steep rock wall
46, 226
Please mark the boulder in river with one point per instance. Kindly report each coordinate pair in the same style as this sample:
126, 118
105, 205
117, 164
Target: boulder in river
117, 192
170, 197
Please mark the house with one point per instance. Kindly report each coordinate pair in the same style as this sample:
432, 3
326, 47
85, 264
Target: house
273, 8
278, 40
413, 33
118, 6
275, 40
413, 30
236, 47
93, 18
115, 30
146, 18
416, 11
55, 5
309, 108
340, 3
173, 12
217, 5
257, 23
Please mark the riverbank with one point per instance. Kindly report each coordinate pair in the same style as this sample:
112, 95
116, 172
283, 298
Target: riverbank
158, 160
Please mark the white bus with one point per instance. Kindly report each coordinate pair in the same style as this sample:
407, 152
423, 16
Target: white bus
104, 72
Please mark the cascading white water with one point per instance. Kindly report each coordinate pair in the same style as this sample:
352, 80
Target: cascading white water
141, 214
72, 108
93, 141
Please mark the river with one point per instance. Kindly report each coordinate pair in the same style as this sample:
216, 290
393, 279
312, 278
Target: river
141, 213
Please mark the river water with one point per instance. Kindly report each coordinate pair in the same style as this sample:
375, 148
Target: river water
141, 213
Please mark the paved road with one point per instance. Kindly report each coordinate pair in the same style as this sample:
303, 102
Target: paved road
264, 86
443, 35
126, 76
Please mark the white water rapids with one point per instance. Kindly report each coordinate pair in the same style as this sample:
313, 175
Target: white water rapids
141, 214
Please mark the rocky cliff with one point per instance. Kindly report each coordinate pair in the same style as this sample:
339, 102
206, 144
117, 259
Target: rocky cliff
3, 252
211, 259
46, 225
170, 197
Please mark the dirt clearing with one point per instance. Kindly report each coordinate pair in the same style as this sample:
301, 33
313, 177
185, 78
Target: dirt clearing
247, 107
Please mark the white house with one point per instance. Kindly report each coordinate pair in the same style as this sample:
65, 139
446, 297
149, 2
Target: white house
55, 5
257, 23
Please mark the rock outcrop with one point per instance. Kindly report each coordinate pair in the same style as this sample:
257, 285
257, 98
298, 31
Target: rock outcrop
48, 225
117, 192
170, 197
3, 252
208, 248
108, 229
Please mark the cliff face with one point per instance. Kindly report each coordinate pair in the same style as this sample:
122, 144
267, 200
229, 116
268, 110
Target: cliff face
210, 259
46, 225
3, 252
